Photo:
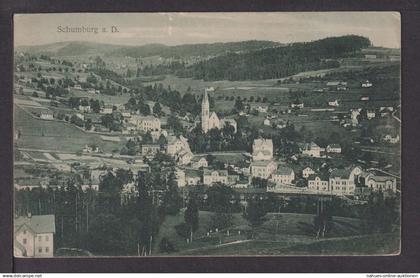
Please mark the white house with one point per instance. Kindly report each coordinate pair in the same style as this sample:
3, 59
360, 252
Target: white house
262, 149
367, 84
263, 169
192, 176
382, 183
199, 162
34, 236
333, 103
342, 181
334, 148
107, 109
46, 115
213, 176
390, 139
267, 122
84, 108
150, 150
283, 175
307, 172
311, 149
370, 114
146, 123
297, 104
318, 183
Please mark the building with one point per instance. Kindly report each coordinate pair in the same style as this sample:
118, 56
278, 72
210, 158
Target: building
215, 176
318, 182
263, 169
211, 120
311, 149
297, 104
192, 176
34, 236
370, 114
354, 115
46, 115
392, 140
267, 122
146, 123
283, 175
381, 183
262, 149
342, 181
150, 150
333, 103
179, 148
307, 172
199, 162
333, 148
84, 108
367, 84
107, 109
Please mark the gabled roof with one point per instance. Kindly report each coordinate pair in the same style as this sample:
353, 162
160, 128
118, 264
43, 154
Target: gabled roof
284, 171
340, 173
38, 223
208, 172
321, 176
261, 163
381, 178
334, 146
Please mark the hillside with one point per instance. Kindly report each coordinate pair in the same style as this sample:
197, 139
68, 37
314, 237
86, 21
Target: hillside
178, 51
277, 62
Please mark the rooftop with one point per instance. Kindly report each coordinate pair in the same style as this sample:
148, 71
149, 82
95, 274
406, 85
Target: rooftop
38, 223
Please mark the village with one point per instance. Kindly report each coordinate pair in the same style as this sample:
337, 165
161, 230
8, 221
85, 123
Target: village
77, 126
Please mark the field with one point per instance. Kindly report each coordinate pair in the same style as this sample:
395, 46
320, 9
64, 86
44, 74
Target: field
279, 233
54, 135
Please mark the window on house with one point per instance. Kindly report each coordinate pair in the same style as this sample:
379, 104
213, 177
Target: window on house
24, 232
47, 249
46, 238
40, 250
24, 241
39, 238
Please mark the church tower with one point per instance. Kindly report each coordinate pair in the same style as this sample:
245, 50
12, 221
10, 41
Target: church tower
205, 111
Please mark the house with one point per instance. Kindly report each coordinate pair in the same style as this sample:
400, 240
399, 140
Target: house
267, 122
107, 109
367, 84
390, 139
297, 104
334, 148
215, 176
150, 150
318, 182
354, 115
77, 87
342, 181
184, 157
84, 108
179, 148
80, 116
263, 169
192, 176
146, 123
333, 103
370, 114
180, 177
307, 172
199, 162
381, 183
46, 115
262, 149
311, 149
34, 236
337, 85
283, 175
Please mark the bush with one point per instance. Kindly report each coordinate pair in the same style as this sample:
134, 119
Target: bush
182, 230
166, 246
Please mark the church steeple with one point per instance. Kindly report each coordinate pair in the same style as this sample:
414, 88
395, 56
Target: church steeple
205, 112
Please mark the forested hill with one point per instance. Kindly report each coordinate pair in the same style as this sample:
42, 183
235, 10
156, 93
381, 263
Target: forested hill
275, 62
191, 50
77, 48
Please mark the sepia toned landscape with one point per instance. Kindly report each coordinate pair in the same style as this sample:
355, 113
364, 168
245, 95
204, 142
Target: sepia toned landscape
179, 141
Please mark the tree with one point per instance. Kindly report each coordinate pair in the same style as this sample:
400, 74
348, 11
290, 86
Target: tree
254, 213
172, 201
157, 109
191, 216
88, 124
166, 246
239, 106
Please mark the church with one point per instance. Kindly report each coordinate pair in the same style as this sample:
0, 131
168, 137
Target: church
210, 121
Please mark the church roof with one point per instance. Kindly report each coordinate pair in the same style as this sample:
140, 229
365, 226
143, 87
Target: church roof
205, 97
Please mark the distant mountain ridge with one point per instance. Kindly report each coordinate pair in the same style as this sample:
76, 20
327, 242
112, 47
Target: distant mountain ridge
78, 48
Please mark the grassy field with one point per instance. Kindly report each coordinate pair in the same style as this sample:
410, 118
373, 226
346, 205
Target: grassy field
280, 230
54, 135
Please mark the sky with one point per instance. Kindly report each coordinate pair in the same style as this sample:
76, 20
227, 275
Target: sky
382, 28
